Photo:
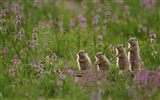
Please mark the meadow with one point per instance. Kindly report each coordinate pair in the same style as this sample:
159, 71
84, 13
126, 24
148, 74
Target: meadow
40, 41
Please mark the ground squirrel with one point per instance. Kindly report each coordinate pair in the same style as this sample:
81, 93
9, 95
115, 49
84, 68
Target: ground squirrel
133, 54
122, 59
102, 61
84, 62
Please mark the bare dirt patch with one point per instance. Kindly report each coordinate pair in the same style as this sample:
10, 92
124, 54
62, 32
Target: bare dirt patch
89, 78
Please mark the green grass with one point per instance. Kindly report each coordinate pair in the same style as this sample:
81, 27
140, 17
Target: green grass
28, 84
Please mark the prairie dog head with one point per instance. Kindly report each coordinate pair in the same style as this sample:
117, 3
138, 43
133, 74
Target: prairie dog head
121, 48
133, 41
82, 53
100, 55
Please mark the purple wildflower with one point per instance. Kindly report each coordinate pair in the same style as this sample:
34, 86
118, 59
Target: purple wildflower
95, 19
4, 30
16, 61
69, 71
82, 21
54, 57
40, 63
99, 9
140, 26
152, 40
76, 79
20, 34
12, 74
59, 83
35, 30
3, 13
33, 64
62, 76
125, 8
15, 56
11, 69
154, 53
66, 65
111, 48
153, 35
100, 37
97, 27
5, 50
36, 45
2, 21
144, 29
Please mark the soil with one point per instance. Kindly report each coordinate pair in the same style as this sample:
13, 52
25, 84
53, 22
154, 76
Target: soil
89, 78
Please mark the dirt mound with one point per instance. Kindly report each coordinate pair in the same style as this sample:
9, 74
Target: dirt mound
89, 78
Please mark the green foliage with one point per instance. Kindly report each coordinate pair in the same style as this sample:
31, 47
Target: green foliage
53, 22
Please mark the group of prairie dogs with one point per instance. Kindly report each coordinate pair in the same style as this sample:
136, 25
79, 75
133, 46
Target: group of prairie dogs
124, 62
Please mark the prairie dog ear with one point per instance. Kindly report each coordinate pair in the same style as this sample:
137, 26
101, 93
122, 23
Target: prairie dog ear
123, 45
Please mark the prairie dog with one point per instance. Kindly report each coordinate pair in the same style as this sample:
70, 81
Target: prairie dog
84, 62
101, 61
122, 59
133, 54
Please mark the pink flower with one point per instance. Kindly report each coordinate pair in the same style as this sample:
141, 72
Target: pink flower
16, 61
95, 19
140, 26
54, 57
62, 76
15, 56
5, 49
82, 21
33, 64
111, 48
59, 83
71, 72
125, 8
40, 63
100, 37
12, 74
66, 65
35, 30
154, 53
152, 40
144, 29
11, 69
153, 35
76, 79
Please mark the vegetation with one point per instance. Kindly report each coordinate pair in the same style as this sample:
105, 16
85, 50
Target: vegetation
40, 40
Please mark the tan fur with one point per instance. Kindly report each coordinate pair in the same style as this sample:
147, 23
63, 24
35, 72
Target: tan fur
102, 61
122, 59
134, 56
84, 62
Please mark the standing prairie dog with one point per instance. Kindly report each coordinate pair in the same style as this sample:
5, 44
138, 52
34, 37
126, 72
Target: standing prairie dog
101, 61
122, 59
133, 54
84, 62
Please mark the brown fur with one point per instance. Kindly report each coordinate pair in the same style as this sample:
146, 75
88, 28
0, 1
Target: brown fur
102, 61
84, 62
134, 55
122, 61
